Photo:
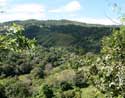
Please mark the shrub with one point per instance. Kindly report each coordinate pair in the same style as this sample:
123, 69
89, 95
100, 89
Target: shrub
80, 79
37, 72
17, 89
2, 92
111, 65
65, 86
45, 91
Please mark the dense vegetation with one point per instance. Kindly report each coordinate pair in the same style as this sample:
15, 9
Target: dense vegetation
29, 70
63, 33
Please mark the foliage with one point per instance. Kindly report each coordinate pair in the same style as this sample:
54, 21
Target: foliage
80, 79
17, 90
44, 92
77, 37
28, 70
2, 91
111, 65
15, 41
16, 52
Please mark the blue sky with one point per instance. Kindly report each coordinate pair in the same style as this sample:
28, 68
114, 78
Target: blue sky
90, 11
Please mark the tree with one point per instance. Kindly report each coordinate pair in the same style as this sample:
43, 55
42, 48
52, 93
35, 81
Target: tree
2, 91
14, 40
111, 65
45, 92
17, 89
16, 52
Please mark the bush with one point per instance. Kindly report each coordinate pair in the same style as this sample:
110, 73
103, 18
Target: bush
75, 93
45, 91
80, 80
65, 86
2, 92
37, 72
17, 90
111, 65
16, 64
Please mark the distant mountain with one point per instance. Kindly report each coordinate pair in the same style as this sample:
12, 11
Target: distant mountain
64, 33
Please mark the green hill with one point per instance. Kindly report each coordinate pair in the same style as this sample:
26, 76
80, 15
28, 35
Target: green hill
29, 70
65, 33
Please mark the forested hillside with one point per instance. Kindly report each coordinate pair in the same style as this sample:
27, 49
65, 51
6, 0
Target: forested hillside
64, 33
35, 68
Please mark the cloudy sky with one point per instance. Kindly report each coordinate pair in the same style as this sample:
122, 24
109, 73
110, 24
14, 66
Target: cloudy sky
90, 11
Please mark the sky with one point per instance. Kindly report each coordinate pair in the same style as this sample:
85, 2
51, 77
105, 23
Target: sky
88, 11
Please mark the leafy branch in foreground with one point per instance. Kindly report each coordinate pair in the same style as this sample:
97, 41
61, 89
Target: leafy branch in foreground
111, 65
14, 40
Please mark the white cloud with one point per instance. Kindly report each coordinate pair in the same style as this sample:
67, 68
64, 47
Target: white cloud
70, 7
105, 21
3, 3
23, 12
27, 8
